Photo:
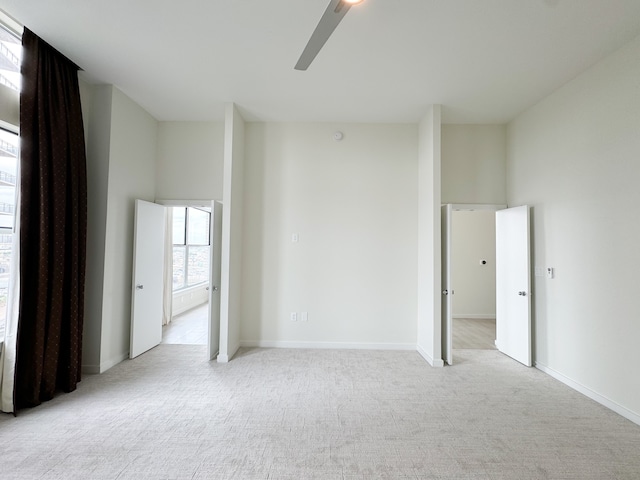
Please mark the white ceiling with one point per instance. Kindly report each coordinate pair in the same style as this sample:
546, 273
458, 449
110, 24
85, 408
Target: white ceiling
485, 61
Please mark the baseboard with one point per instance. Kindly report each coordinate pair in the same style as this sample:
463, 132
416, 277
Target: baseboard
602, 400
475, 316
104, 366
226, 358
328, 345
434, 363
90, 369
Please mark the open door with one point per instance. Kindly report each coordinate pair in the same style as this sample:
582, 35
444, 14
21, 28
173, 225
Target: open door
214, 291
513, 284
148, 264
447, 292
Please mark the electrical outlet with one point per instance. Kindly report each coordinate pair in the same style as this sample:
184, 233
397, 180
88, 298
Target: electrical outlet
294, 317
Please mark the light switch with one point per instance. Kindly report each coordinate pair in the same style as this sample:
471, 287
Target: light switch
539, 272
304, 316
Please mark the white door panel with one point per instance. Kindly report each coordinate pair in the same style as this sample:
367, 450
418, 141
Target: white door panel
214, 291
148, 263
513, 284
447, 292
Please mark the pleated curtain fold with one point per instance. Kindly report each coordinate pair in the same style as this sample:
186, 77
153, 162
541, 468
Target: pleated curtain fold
53, 225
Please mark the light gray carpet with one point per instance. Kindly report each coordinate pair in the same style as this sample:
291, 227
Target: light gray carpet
303, 414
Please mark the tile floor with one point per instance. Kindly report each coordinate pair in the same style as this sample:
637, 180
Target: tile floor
189, 328
474, 333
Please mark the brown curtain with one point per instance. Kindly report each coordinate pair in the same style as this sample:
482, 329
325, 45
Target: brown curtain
53, 225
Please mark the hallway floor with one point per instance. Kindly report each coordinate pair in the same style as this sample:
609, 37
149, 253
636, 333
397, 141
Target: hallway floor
189, 328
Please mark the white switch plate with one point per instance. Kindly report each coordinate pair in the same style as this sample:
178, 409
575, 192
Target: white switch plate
549, 272
304, 317
294, 317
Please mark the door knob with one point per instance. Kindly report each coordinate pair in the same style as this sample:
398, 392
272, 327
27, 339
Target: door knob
215, 288
522, 294
139, 286
445, 292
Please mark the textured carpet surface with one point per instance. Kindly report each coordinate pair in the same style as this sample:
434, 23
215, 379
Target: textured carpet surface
318, 414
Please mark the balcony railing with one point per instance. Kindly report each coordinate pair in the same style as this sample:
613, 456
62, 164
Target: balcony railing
8, 83
12, 57
7, 178
9, 148
7, 208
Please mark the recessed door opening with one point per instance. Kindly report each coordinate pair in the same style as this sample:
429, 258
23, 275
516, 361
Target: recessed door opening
176, 275
468, 278
473, 268
186, 310
486, 275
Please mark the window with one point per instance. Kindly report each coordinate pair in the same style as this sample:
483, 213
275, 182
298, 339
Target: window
10, 54
9, 148
191, 245
10, 59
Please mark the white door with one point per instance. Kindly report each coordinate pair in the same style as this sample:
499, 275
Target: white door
447, 292
513, 284
214, 290
148, 264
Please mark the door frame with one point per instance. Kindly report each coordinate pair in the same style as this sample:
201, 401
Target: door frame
208, 204
447, 319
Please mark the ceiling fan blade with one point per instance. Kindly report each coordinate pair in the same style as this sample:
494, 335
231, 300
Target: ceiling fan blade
332, 16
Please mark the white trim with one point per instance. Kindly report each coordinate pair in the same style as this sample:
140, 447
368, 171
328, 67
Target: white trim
232, 351
90, 369
472, 207
602, 400
184, 203
434, 363
11, 24
475, 316
104, 366
327, 345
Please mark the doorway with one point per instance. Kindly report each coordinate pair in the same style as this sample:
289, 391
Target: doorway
187, 310
468, 278
473, 266
192, 312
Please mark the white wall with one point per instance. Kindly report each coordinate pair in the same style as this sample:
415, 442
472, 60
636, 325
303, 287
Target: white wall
429, 241
190, 160
353, 205
96, 105
132, 174
232, 234
473, 240
185, 300
473, 164
575, 158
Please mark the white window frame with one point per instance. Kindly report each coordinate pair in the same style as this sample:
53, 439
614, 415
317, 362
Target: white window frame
186, 245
